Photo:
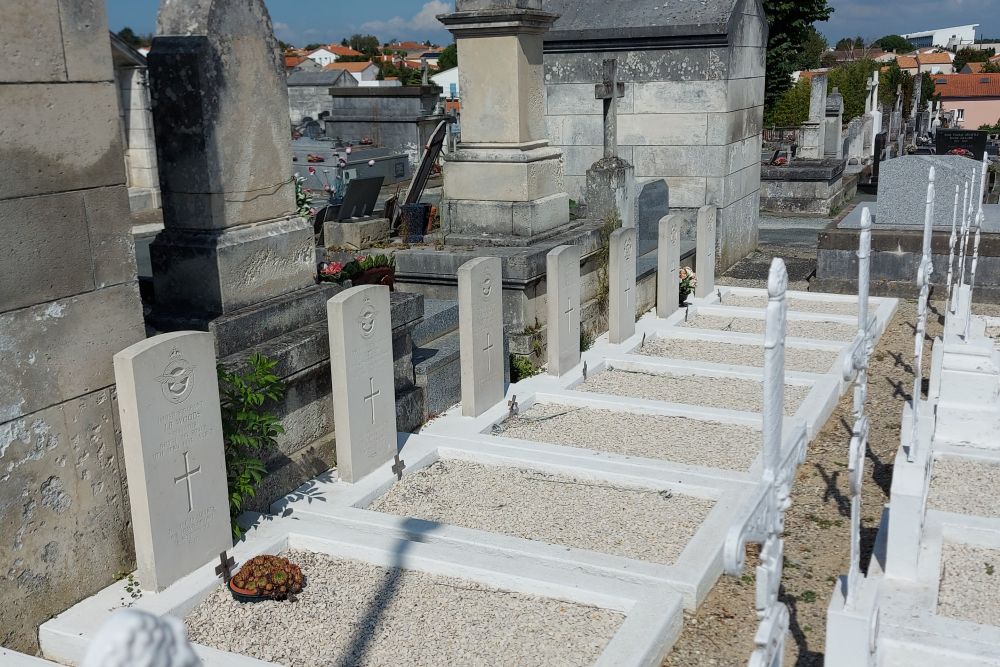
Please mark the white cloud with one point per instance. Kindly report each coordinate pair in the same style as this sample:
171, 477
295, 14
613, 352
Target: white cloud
425, 19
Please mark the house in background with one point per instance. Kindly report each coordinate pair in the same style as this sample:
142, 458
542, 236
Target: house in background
950, 38
450, 86
309, 92
301, 64
332, 53
362, 72
975, 98
932, 62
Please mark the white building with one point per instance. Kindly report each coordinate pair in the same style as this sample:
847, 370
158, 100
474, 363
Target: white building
448, 80
955, 37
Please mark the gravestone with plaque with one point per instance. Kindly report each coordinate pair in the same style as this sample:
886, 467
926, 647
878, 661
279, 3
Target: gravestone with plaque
168, 400
972, 141
364, 396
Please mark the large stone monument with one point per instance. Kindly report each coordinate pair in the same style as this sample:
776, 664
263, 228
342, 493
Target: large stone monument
611, 188
692, 111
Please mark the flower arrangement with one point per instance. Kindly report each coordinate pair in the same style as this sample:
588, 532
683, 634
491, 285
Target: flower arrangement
962, 152
303, 196
688, 282
362, 270
270, 577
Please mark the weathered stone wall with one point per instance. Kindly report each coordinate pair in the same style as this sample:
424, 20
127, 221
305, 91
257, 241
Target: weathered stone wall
68, 301
690, 115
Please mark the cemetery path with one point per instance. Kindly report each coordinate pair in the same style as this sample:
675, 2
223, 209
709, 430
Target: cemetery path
817, 525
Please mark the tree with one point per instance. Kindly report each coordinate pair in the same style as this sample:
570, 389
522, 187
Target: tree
894, 77
128, 36
852, 81
366, 44
969, 55
313, 46
990, 68
894, 43
792, 108
448, 58
789, 22
813, 48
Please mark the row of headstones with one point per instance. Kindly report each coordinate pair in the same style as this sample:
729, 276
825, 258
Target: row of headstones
169, 395
852, 622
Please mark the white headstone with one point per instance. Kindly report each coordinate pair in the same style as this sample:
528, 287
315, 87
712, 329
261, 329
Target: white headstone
364, 395
168, 400
563, 279
132, 637
621, 285
705, 253
480, 326
668, 259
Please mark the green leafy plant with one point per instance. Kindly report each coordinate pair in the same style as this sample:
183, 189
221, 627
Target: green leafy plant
521, 368
132, 589
303, 204
249, 430
610, 224
808, 596
586, 340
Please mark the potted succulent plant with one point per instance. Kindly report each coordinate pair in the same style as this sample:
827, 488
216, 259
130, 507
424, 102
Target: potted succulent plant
267, 578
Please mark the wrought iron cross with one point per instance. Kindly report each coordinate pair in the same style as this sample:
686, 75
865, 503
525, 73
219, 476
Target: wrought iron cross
515, 410
610, 91
398, 467
225, 567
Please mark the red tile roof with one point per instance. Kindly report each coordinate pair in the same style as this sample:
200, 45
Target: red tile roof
967, 85
292, 61
906, 62
339, 50
935, 59
351, 67
974, 68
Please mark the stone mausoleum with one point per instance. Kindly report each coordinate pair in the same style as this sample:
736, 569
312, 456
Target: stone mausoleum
693, 106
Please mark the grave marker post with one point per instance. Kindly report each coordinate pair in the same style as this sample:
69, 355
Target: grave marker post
951, 255
168, 400
668, 266
563, 278
480, 324
924, 273
705, 259
364, 396
621, 285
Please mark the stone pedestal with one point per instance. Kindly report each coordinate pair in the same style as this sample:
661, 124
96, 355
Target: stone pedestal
504, 181
611, 190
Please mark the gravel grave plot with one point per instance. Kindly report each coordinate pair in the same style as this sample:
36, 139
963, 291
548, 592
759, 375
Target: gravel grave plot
800, 305
970, 583
355, 613
796, 328
796, 359
678, 439
598, 516
965, 487
726, 393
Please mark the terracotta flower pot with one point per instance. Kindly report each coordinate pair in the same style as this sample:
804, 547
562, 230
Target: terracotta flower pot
244, 595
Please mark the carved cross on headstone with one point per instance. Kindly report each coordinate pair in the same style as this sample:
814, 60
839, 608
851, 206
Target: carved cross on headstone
225, 567
372, 396
487, 349
610, 91
569, 312
186, 478
398, 467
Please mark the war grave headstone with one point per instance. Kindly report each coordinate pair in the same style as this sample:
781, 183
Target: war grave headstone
668, 270
481, 334
168, 400
621, 285
563, 273
705, 258
364, 399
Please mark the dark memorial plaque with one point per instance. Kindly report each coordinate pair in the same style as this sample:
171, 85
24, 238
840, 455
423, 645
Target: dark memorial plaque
973, 141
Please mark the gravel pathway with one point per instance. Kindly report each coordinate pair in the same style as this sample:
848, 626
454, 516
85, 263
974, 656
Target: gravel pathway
726, 393
677, 439
598, 516
966, 487
796, 359
800, 305
970, 583
796, 328
355, 613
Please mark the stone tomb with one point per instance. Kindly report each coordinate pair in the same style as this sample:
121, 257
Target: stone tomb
480, 301
903, 186
563, 275
621, 285
364, 399
168, 399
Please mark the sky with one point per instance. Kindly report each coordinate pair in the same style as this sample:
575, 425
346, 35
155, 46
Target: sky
323, 21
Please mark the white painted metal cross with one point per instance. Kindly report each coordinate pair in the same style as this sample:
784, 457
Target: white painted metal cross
924, 282
372, 396
983, 176
610, 91
951, 253
186, 478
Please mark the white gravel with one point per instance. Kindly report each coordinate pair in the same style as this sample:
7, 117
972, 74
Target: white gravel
599, 516
726, 393
965, 487
735, 354
355, 613
837, 331
970, 583
678, 439
800, 305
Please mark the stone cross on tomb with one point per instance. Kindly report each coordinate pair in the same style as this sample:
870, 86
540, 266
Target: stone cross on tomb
225, 567
924, 282
856, 367
764, 520
611, 90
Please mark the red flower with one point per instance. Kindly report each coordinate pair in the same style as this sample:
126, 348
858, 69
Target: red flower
312, 171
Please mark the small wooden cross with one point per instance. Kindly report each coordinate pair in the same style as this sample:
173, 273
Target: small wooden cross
585, 371
398, 467
225, 567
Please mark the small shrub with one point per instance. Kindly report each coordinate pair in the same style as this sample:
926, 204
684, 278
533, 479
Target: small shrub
808, 596
249, 430
611, 223
586, 340
521, 368
270, 576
